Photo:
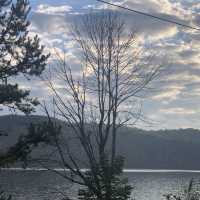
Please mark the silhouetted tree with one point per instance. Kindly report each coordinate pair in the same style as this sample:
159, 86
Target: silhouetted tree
20, 54
94, 104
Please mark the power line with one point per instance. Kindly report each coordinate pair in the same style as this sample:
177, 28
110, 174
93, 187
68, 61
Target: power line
149, 15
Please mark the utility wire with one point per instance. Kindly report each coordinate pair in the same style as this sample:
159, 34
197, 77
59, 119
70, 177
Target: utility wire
149, 15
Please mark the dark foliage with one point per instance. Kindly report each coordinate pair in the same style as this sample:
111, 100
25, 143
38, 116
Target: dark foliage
111, 184
191, 193
141, 149
3, 196
19, 54
43, 133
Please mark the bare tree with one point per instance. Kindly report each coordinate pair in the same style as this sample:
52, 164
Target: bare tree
96, 102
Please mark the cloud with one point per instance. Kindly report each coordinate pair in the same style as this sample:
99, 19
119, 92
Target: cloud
185, 77
171, 93
53, 10
178, 111
175, 47
48, 23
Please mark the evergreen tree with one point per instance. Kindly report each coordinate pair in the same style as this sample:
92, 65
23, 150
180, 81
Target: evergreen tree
112, 185
19, 54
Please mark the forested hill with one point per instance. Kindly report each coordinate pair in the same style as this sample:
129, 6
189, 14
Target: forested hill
165, 149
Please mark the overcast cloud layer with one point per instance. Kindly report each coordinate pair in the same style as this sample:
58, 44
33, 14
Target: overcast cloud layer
175, 102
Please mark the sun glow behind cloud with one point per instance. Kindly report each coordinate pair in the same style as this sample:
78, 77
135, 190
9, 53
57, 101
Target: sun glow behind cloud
176, 48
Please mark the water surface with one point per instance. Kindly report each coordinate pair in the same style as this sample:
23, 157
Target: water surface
43, 185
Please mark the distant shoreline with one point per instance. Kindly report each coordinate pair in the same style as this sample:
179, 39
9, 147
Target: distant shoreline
125, 170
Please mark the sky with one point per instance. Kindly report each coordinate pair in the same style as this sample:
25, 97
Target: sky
175, 100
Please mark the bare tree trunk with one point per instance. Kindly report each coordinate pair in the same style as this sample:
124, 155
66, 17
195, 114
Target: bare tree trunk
99, 101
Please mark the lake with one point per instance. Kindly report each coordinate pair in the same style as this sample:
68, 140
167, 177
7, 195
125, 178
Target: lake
43, 185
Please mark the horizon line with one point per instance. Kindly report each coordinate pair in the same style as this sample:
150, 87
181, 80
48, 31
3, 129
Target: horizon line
128, 170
